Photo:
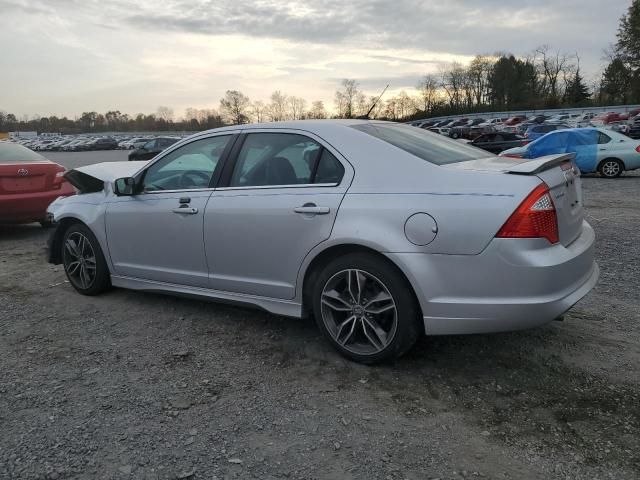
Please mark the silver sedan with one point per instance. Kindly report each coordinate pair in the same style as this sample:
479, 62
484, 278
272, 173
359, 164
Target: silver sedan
380, 231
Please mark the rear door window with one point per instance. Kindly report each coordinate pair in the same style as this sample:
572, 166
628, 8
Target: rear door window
284, 159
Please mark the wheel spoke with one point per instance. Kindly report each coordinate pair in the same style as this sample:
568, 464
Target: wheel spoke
334, 301
353, 285
72, 248
72, 268
351, 320
376, 335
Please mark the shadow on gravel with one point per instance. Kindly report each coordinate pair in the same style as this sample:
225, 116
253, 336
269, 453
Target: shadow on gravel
28, 231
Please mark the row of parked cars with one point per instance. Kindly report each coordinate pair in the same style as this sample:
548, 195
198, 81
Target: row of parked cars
534, 126
83, 143
606, 143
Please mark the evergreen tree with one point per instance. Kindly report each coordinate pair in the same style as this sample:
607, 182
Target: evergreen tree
577, 93
628, 45
616, 81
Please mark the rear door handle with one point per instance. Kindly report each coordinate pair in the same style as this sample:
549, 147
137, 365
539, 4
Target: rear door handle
311, 209
186, 210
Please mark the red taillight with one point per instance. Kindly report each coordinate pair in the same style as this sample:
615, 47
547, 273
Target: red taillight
534, 218
638, 149
511, 155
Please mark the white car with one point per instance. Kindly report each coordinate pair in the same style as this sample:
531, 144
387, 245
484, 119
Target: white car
493, 122
597, 150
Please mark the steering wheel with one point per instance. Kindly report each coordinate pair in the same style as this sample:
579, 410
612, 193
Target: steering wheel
189, 179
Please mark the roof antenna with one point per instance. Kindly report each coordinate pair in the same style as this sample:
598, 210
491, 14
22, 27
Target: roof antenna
366, 116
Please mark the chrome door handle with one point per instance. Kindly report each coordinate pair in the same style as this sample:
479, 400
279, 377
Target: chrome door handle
312, 210
186, 210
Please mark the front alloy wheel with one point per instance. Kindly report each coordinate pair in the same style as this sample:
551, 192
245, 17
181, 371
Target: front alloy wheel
83, 261
79, 260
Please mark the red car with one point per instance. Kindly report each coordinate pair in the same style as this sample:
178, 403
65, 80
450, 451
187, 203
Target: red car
28, 184
606, 118
515, 120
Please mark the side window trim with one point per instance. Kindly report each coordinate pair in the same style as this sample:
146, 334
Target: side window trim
214, 177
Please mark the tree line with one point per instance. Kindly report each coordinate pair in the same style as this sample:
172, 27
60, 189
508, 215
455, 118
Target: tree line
545, 78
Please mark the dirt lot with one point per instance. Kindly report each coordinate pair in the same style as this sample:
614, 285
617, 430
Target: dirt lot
132, 385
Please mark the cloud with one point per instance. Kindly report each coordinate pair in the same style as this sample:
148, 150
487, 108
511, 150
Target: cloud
69, 56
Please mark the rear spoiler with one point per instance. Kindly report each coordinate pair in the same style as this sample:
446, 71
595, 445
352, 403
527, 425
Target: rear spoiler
537, 165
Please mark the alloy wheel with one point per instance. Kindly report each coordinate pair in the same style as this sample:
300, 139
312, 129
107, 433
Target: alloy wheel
359, 312
611, 168
79, 260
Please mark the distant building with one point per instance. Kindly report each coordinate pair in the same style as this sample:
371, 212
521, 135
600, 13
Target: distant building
23, 134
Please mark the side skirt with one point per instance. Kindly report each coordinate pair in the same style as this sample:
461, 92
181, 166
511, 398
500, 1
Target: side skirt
285, 308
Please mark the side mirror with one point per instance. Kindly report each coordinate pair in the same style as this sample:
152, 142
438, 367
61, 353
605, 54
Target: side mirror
125, 186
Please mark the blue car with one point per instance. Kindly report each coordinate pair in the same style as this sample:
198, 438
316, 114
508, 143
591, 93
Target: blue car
597, 150
536, 131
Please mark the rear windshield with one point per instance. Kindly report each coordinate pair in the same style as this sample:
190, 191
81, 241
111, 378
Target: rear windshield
14, 153
428, 146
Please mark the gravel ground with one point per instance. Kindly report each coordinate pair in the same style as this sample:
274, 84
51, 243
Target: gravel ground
134, 385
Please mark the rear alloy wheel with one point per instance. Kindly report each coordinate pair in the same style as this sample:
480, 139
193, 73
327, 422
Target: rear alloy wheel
365, 308
83, 261
610, 168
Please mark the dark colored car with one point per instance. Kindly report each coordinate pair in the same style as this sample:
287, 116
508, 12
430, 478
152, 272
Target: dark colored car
462, 131
536, 131
634, 128
102, 144
152, 148
498, 141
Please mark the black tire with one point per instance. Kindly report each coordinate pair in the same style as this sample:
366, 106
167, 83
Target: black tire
101, 279
405, 314
455, 135
610, 168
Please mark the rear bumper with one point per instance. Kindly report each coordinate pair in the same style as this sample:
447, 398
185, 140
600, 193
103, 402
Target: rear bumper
30, 207
514, 284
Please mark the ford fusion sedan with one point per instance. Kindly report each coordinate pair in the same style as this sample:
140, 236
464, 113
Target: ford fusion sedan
596, 150
28, 184
381, 232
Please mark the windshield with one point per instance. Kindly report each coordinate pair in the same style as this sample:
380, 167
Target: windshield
14, 153
428, 146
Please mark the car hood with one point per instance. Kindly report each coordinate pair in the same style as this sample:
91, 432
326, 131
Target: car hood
110, 171
92, 177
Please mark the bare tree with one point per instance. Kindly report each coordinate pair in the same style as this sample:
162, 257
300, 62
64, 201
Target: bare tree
428, 92
164, 113
297, 106
405, 105
258, 110
234, 106
317, 110
345, 98
453, 79
550, 66
478, 76
277, 109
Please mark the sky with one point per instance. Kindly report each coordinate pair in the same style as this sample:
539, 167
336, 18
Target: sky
64, 57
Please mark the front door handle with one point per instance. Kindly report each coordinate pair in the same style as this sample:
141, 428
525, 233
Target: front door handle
312, 209
186, 210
